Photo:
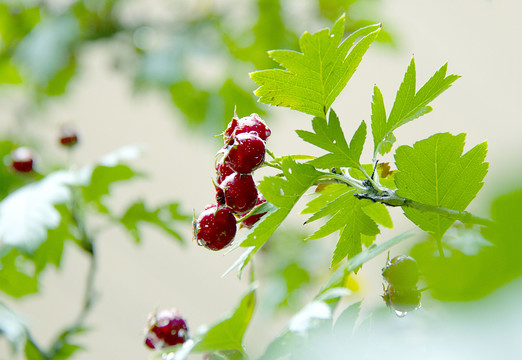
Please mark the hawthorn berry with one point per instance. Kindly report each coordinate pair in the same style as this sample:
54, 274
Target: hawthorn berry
401, 272
246, 153
251, 220
238, 192
22, 160
166, 328
68, 136
223, 170
215, 227
402, 300
247, 124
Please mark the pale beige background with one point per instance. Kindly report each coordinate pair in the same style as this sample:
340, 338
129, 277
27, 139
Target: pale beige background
481, 39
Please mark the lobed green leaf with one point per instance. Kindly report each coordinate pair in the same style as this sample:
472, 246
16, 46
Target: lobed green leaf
409, 105
329, 136
435, 172
316, 76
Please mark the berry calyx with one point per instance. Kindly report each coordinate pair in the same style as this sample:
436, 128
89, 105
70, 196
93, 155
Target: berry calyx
22, 160
402, 300
215, 227
247, 124
401, 272
68, 136
238, 192
251, 220
246, 153
166, 328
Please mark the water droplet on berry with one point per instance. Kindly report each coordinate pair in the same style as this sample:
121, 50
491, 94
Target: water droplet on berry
401, 314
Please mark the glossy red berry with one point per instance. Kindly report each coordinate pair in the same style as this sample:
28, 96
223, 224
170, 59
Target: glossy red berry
248, 124
401, 272
239, 193
166, 328
246, 153
68, 136
215, 227
251, 220
22, 160
222, 171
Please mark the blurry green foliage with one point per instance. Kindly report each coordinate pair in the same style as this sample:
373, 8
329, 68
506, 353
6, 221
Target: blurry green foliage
42, 43
476, 262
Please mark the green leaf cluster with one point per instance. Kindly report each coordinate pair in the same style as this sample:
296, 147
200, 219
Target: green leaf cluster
356, 220
281, 194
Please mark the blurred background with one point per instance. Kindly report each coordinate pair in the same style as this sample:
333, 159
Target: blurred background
166, 75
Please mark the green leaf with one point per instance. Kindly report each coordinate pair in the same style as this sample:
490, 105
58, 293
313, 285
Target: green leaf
315, 77
269, 32
239, 100
346, 320
51, 250
102, 178
190, 101
434, 172
409, 105
347, 215
16, 277
379, 213
163, 217
329, 136
281, 194
32, 352
29, 212
228, 333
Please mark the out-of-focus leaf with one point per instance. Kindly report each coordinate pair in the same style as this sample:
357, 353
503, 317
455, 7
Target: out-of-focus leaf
192, 102
11, 326
304, 319
14, 278
8, 72
364, 256
9, 180
32, 352
46, 49
164, 217
51, 250
228, 333
101, 180
28, 213
16, 22
463, 276
239, 100
58, 84
269, 32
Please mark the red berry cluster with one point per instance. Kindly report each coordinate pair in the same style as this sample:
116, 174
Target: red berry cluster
236, 192
166, 328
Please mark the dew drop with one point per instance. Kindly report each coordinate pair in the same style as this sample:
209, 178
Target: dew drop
400, 314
